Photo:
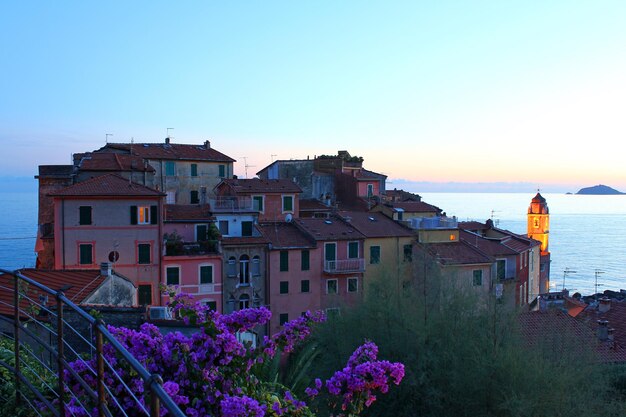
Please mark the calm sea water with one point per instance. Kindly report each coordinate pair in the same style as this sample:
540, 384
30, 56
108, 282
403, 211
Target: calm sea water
587, 233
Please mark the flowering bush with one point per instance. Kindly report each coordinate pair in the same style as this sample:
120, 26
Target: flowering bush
212, 373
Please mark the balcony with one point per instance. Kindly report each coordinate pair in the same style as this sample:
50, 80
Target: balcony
345, 266
207, 247
231, 204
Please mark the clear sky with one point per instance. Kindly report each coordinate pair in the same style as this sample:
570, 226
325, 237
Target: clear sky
530, 92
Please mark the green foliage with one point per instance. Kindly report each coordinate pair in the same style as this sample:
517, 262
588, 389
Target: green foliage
465, 360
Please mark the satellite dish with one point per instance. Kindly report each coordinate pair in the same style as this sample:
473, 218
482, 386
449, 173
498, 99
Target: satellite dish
288, 217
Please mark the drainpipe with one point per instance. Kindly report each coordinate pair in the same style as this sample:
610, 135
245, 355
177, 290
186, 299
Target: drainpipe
159, 248
63, 229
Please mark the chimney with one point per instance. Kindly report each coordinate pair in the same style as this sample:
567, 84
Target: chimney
603, 330
105, 269
207, 144
167, 140
611, 334
605, 305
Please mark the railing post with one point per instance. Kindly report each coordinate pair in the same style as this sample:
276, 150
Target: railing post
100, 367
155, 404
60, 353
16, 339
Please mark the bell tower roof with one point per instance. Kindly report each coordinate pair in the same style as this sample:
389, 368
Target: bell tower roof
538, 205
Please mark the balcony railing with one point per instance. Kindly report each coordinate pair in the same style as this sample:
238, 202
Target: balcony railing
345, 266
192, 248
231, 204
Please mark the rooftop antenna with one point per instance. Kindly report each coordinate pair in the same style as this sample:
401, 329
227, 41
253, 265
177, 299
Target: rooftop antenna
167, 138
598, 272
246, 166
566, 272
272, 156
106, 137
496, 222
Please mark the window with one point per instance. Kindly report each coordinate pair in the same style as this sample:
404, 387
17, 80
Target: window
374, 254
244, 277
211, 304
144, 294
257, 203
143, 253
400, 215
172, 275
501, 268
284, 287
194, 170
333, 313
143, 215
478, 277
170, 197
223, 227
256, 266
244, 301
305, 285
193, 197
304, 260
221, 171
284, 260
353, 284
170, 168
287, 203
206, 274
330, 251
536, 223
246, 228
353, 250
202, 232
84, 215
408, 253
283, 318
331, 286
232, 266
370, 190
85, 254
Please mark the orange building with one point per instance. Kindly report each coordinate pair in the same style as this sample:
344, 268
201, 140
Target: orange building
539, 229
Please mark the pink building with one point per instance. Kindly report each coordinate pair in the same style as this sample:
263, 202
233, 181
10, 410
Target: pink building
192, 260
110, 219
341, 260
294, 273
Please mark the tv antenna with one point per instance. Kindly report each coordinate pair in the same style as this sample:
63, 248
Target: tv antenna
246, 166
566, 272
596, 273
168, 131
106, 137
272, 156
496, 222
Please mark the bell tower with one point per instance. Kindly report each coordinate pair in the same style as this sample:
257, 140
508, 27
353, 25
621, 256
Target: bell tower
539, 228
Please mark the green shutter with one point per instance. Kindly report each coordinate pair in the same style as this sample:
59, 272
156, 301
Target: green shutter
144, 295
353, 250
173, 276
287, 203
284, 260
86, 254
222, 171
304, 261
246, 228
330, 251
84, 214
133, 214
202, 231
206, 274
154, 218
284, 287
194, 170
143, 250
304, 285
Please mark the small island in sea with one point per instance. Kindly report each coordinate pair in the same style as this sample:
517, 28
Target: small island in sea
599, 190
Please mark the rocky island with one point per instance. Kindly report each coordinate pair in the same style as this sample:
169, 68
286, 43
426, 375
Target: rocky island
599, 190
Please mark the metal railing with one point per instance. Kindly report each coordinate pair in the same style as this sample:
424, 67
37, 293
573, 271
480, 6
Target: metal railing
345, 266
231, 204
44, 346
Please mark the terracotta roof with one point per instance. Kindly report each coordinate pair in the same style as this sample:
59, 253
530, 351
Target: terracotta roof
257, 185
375, 224
109, 161
562, 334
519, 243
107, 185
493, 247
184, 212
81, 284
414, 207
458, 253
313, 205
538, 199
616, 316
285, 236
171, 151
364, 174
473, 225
329, 229
56, 171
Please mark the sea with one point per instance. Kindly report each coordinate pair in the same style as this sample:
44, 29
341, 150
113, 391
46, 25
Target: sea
587, 233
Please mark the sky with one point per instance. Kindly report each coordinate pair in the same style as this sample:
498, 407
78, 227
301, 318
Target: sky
514, 95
